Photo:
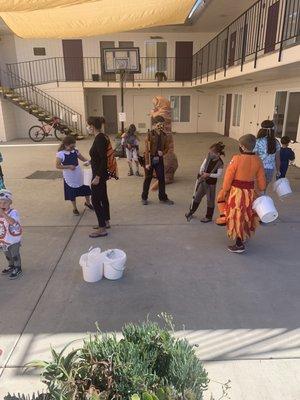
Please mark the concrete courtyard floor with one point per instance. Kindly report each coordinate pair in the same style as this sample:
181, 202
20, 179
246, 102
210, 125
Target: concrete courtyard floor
241, 310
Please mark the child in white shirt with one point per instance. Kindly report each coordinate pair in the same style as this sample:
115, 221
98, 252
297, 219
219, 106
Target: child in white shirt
10, 235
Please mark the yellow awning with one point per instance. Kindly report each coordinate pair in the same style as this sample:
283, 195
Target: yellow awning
82, 18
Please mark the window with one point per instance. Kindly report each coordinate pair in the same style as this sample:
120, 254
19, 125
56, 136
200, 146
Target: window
221, 108
39, 51
279, 111
156, 58
237, 108
180, 108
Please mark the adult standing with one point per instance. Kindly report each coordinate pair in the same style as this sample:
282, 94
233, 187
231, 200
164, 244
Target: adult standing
162, 107
99, 164
156, 146
268, 149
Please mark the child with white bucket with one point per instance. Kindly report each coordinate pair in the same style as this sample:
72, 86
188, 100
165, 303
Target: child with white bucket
239, 194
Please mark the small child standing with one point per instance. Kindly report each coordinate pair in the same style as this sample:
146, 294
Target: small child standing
131, 143
10, 235
67, 160
210, 170
286, 155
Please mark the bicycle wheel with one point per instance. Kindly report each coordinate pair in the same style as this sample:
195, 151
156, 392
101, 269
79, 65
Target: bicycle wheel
37, 133
59, 134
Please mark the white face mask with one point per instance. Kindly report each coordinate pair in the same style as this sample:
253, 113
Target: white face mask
89, 129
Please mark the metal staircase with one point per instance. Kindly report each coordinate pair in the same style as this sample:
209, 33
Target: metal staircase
39, 103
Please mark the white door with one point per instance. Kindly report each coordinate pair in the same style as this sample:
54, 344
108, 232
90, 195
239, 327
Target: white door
142, 106
251, 122
207, 113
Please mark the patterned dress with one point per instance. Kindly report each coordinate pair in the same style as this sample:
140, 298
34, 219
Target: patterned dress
239, 194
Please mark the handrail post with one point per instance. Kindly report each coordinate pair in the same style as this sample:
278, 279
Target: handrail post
55, 59
226, 52
258, 34
207, 72
244, 42
216, 61
30, 73
201, 65
283, 29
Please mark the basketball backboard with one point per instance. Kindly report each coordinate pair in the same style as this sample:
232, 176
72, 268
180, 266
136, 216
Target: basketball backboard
118, 59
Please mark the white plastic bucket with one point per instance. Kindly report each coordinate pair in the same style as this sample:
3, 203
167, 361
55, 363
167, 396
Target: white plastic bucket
282, 187
92, 265
87, 176
114, 264
265, 209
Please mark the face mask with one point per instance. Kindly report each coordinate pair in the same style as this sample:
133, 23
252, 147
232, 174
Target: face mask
214, 156
241, 150
89, 129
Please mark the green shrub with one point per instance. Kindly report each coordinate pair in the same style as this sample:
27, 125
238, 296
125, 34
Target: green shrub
147, 364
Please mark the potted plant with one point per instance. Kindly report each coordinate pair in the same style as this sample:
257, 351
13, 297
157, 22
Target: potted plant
148, 363
161, 76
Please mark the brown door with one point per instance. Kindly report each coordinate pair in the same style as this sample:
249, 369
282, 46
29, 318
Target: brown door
106, 76
127, 45
228, 114
73, 60
232, 47
184, 61
110, 114
271, 31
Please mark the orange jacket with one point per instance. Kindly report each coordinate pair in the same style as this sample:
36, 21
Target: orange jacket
247, 168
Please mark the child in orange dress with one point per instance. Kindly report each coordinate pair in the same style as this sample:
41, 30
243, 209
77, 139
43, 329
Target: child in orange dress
244, 171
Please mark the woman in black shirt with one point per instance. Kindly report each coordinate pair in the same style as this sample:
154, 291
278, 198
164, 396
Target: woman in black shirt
98, 153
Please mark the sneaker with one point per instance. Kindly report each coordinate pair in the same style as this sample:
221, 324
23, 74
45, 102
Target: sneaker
138, 174
236, 249
8, 270
205, 220
188, 216
144, 202
168, 202
15, 273
76, 212
101, 232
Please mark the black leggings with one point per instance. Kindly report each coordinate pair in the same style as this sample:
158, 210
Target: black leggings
101, 203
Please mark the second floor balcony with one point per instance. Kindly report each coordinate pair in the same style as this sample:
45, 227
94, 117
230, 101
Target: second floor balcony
91, 69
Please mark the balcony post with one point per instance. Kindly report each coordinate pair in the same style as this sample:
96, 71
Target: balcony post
226, 52
258, 33
283, 28
244, 42
207, 73
216, 60
56, 71
201, 65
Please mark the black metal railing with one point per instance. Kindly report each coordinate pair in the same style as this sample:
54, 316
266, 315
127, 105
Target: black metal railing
88, 69
34, 96
267, 26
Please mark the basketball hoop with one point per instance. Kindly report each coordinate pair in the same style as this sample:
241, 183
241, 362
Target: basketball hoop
123, 62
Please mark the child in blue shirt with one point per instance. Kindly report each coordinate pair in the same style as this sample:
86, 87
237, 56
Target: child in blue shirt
286, 155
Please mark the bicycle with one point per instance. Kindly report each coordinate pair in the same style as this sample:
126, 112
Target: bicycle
37, 133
